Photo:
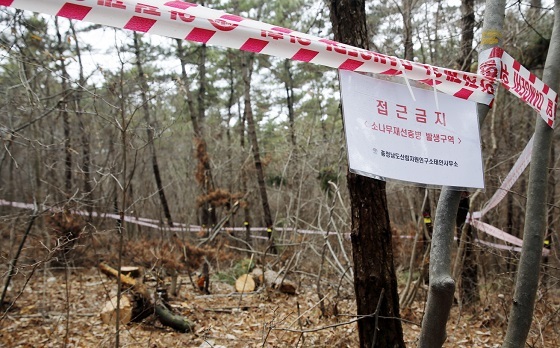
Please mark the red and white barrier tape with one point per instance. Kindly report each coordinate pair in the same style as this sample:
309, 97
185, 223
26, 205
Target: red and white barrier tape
520, 81
155, 224
193, 22
474, 219
516, 171
183, 20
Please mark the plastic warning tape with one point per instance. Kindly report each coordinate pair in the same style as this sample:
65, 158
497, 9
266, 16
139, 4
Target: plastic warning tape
520, 81
193, 22
518, 168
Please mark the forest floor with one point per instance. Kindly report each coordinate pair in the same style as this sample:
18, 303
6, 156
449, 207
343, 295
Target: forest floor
52, 312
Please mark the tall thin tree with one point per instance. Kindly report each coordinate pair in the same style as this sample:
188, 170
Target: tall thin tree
375, 281
527, 281
442, 285
150, 128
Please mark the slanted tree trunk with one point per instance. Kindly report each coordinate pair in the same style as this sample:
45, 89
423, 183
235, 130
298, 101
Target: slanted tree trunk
203, 172
150, 127
442, 285
374, 273
527, 281
252, 133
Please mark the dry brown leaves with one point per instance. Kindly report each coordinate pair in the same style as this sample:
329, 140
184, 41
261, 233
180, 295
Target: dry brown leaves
227, 319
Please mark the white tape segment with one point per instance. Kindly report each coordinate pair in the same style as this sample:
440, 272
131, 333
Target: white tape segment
178, 227
193, 22
516, 171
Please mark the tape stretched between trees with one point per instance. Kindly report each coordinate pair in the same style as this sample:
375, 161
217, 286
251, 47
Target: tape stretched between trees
183, 20
179, 227
193, 22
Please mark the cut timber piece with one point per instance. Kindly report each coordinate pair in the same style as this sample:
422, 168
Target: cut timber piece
258, 276
245, 283
109, 312
143, 296
131, 271
277, 281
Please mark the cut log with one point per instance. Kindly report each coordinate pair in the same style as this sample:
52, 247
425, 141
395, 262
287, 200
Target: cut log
109, 311
245, 283
144, 300
168, 318
274, 280
131, 271
258, 277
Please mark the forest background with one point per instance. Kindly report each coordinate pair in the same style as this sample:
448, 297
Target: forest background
105, 120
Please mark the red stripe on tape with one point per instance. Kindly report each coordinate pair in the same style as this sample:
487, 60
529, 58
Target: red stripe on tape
392, 72
496, 52
73, 11
304, 55
350, 64
430, 82
532, 78
550, 122
200, 35
140, 24
282, 30
516, 65
180, 4
254, 45
233, 18
463, 93
6, 2
545, 89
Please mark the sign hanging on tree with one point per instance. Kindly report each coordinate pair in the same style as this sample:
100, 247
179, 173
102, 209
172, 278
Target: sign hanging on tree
428, 141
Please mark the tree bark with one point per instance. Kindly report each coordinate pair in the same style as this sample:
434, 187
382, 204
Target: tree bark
442, 285
203, 172
374, 272
469, 271
252, 133
527, 281
64, 113
150, 130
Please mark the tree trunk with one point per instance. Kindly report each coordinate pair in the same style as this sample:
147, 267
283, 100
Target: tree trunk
527, 281
467, 34
150, 130
442, 285
203, 172
252, 133
469, 272
407, 23
64, 113
85, 140
374, 272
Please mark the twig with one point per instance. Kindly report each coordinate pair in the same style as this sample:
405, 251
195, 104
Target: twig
377, 317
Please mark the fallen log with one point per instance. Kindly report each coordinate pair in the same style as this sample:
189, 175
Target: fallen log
274, 280
148, 303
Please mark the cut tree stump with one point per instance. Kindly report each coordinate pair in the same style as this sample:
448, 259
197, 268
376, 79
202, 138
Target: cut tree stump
131, 271
147, 302
245, 283
274, 280
109, 311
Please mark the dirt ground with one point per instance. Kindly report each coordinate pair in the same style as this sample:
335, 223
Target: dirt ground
51, 312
